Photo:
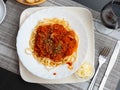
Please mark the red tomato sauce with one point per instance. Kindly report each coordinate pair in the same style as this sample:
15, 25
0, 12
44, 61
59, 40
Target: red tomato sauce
54, 73
54, 42
70, 65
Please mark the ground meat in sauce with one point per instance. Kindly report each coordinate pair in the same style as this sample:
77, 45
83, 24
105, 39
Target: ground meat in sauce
54, 42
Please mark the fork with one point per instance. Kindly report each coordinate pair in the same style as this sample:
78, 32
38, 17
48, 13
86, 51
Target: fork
102, 58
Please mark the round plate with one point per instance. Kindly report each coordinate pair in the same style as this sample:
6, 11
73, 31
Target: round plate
2, 11
23, 38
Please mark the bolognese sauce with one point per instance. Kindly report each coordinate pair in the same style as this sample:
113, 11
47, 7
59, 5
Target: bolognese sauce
54, 42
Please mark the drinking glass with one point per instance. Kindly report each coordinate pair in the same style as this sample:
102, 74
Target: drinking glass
110, 18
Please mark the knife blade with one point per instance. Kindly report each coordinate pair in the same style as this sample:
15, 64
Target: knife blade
110, 65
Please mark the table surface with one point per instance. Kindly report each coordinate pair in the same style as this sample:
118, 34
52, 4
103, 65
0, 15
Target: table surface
9, 58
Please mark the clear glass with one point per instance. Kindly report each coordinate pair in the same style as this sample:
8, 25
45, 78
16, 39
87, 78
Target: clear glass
110, 18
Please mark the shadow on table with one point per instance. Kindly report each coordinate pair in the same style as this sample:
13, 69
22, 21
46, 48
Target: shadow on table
10, 81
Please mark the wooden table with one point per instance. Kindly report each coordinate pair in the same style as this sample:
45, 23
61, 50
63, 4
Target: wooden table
9, 58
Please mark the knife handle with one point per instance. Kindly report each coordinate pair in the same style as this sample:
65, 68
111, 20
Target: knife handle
103, 82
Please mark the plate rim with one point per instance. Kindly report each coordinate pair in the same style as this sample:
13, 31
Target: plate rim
3, 7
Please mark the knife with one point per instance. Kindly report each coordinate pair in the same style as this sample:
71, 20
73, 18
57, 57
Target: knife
110, 65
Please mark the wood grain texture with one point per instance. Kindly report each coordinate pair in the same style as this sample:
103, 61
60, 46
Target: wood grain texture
9, 58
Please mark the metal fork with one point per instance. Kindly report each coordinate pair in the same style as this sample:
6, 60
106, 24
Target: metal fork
102, 58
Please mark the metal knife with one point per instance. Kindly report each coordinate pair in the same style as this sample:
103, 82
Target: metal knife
110, 65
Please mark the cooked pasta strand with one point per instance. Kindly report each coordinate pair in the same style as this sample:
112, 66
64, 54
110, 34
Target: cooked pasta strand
45, 60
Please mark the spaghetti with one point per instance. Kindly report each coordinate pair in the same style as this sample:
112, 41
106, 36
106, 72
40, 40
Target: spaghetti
53, 43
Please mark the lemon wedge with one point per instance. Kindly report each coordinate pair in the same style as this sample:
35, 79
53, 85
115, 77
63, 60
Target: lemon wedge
30, 1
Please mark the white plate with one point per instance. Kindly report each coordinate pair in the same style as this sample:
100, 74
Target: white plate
23, 42
2, 11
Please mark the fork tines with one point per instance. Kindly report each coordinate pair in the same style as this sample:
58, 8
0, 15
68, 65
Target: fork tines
105, 51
